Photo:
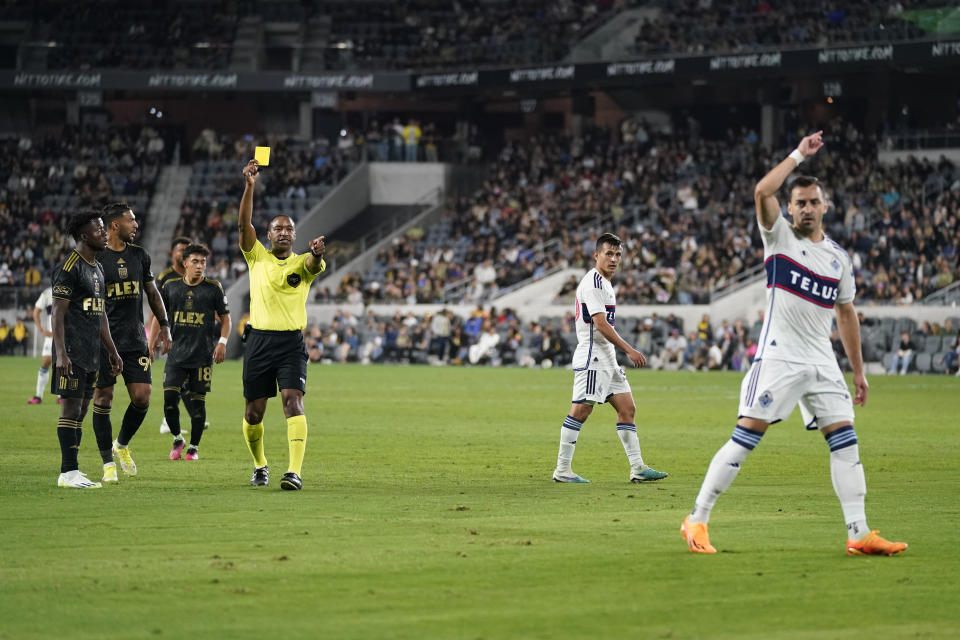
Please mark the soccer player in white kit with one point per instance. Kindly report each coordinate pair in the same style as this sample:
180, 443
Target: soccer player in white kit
809, 281
42, 311
597, 377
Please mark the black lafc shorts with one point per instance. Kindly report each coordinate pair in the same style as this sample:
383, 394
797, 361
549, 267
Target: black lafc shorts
78, 385
195, 379
273, 359
136, 368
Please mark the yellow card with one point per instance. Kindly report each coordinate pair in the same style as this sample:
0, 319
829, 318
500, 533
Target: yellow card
262, 156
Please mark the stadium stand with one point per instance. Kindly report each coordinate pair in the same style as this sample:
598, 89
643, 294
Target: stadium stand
728, 26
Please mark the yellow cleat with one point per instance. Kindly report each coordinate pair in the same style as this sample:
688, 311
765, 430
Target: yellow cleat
126, 460
110, 472
695, 533
873, 545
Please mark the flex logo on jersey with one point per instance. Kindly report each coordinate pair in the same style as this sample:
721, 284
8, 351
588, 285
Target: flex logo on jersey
784, 273
93, 304
188, 317
125, 288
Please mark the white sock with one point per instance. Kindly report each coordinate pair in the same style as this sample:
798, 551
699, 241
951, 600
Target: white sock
177, 438
850, 485
43, 377
630, 442
569, 433
723, 470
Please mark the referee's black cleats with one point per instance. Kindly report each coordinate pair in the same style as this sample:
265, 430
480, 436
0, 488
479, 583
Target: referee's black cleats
291, 482
261, 477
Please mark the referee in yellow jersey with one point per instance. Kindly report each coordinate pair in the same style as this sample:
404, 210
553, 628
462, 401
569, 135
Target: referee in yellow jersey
275, 355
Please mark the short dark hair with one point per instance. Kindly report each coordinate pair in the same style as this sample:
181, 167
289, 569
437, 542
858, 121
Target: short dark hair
180, 240
77, 222
610, 239
804, 181
191, 249
113, 211
282, 215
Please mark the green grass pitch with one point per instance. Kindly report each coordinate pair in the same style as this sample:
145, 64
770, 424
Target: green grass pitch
428, 512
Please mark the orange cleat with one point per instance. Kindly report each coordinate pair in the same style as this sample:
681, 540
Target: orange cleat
874, 545
695, 533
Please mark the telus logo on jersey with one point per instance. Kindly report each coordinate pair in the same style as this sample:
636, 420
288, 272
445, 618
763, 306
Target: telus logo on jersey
784, 273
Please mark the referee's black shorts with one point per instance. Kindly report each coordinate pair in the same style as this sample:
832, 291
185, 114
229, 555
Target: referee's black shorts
272, 359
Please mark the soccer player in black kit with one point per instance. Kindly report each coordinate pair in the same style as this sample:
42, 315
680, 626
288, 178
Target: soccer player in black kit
126, 269
194, 304
79, 327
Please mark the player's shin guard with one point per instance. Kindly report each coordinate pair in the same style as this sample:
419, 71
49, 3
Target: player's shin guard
297, 439
171, 410
132, 419
723, 470
198, 417
569, 433
848, 480
69, 447
43, 377
253, 434
103, 432
630, 442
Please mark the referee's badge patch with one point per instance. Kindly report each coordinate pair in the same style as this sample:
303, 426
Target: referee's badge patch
293, 279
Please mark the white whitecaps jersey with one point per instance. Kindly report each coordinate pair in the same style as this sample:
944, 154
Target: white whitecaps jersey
805, 280
45, 305
594, 295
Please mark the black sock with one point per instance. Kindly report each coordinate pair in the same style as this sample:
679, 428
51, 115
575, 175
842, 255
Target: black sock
132, 419
187, 397
67, 434
103, 432
198, 416
171, 409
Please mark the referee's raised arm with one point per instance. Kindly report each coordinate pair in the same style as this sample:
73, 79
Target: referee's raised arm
248, 235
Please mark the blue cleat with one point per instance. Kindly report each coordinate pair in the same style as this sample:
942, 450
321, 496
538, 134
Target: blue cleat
646, 474
572, 478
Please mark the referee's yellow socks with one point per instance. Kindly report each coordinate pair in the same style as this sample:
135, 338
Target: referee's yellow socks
297, 437
254, 436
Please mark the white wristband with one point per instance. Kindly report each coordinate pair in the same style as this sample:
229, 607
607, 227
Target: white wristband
797, 156
223, 340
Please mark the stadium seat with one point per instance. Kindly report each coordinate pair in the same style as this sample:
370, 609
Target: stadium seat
922, 362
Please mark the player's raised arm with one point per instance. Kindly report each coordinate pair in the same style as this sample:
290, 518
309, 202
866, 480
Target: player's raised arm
248, 235
764, 195
608, 332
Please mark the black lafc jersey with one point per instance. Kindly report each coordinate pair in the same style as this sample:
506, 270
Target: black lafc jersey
193, 324
81, 283
167, 274
126, 273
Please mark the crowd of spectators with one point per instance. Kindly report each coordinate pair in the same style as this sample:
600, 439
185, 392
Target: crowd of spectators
731, 26
683, 205
488, 336
44, 176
